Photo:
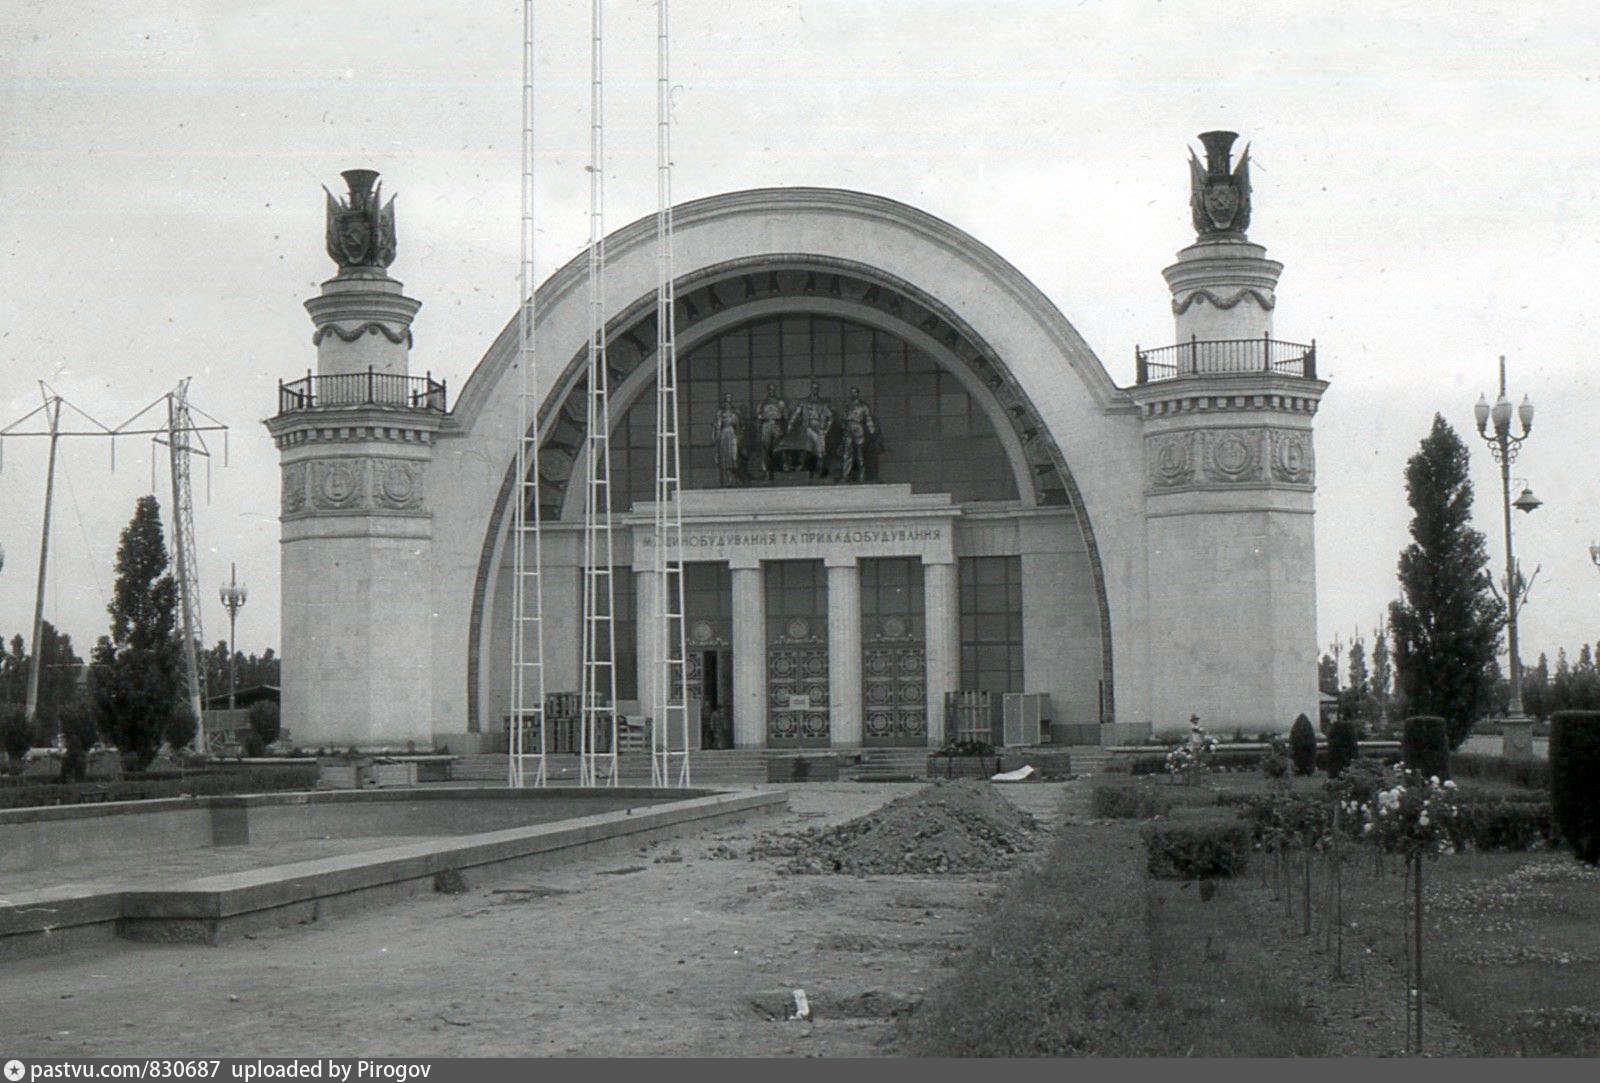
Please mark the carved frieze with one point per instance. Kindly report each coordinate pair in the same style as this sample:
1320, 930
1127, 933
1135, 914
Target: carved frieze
1214, 458
294, 488
397, 483
338, 484
1292, 459
1233, 455
1172, 459
354, 485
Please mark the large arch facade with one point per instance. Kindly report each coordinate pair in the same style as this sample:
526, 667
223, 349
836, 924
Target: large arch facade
1072, 441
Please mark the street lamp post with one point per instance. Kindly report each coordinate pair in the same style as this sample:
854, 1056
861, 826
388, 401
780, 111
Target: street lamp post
233, 597
1516, 728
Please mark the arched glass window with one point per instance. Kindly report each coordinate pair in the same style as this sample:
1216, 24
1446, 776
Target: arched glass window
931, 432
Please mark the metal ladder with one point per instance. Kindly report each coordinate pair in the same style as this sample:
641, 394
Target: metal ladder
598, 695
670, 735
526, 731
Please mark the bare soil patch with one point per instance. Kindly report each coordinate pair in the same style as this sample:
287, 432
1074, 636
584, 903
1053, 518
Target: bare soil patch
676, 957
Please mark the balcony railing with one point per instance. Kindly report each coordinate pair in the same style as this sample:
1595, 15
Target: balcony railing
368, 388
1205, 358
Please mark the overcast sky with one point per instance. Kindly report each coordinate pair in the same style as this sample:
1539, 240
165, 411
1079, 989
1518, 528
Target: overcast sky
1428, 173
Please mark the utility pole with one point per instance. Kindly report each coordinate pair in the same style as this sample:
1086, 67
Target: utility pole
183, 437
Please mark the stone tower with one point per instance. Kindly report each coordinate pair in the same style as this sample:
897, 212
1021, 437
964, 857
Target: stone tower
355, 439
1229, 478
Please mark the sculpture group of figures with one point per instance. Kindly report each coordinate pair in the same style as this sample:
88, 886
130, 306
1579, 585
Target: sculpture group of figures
782, 437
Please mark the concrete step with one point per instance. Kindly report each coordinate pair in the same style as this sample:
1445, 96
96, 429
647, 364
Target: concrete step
749, 765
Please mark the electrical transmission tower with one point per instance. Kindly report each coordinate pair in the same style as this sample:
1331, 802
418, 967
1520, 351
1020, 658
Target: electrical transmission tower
183, 437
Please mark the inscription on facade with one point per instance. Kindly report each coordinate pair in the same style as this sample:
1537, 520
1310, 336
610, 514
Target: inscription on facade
775, 539
841, 539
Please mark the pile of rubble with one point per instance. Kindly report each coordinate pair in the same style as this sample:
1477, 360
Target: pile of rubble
946, 827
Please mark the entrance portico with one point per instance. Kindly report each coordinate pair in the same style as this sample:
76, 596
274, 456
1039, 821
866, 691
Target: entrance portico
804, 680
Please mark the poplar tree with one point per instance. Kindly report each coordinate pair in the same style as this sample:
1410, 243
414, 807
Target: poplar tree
136, 673
1446, 622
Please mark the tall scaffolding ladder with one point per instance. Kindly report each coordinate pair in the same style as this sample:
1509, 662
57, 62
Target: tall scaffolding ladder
526, 734
670, 735
180, 445
598, 695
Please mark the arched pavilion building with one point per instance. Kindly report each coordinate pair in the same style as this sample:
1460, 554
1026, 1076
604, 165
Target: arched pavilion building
1015, 523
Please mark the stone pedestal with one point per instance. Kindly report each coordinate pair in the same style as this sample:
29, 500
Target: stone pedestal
1516, 737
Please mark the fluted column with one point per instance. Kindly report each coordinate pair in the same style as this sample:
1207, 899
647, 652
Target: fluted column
749, 656
941, 602
844, 652
646, 599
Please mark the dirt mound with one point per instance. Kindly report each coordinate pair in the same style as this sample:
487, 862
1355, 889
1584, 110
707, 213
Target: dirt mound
947, 827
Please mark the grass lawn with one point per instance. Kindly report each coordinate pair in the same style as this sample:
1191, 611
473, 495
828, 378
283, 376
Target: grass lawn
1088, 956
1510, 946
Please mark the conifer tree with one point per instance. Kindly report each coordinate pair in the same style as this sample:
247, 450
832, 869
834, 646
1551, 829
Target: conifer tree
136, 673
1446, 623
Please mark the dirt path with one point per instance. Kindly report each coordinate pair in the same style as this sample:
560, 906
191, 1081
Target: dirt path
671, 950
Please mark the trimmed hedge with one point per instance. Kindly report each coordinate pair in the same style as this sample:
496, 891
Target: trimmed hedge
1425, 745
1504, 825
1343, 746
1529, 773
1128, 803
1197, 845
1575, 780
1303, 746
196, 784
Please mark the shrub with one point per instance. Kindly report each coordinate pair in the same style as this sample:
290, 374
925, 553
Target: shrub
1343, 745
181, 727
1503, 825
1110, 802
1303, 746
1360, 780
1527, 772
1148, 765
1425, 746
15, 737
1274, 764
1574, 779
78, 732
1198, 845
1236, 759
198, 784
264, 721
800, 769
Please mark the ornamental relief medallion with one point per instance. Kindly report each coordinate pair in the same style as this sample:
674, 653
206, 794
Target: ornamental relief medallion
294, 488
1292, 460
398, 484
339, 484
1172, 459
1233, 455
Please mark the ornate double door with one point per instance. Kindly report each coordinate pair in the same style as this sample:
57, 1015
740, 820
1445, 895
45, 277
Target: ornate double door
894, 693
894, 656
797, 654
